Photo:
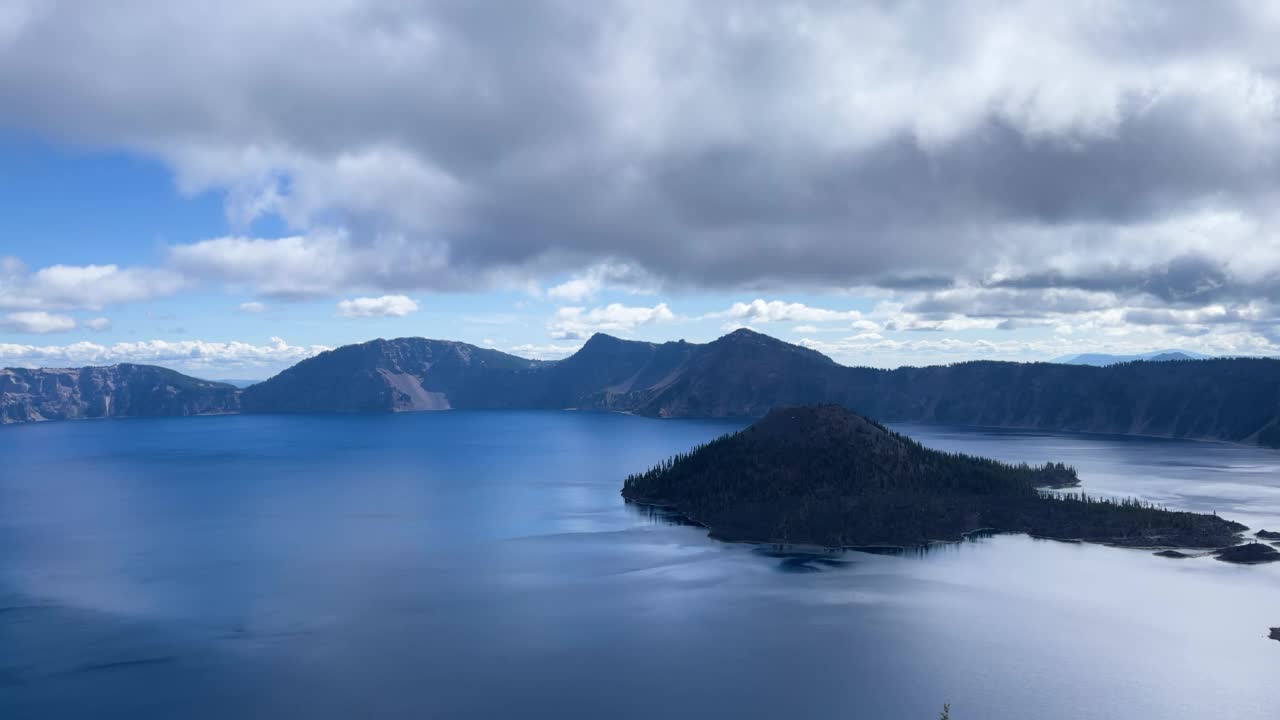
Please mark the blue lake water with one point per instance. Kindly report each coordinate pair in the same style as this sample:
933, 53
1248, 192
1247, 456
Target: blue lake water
468, 565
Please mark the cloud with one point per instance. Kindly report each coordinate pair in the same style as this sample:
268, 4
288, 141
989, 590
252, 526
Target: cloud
385, 306
762, 311
36, 322
1099, 169
430, 148
99, 324
576, 323
69, 287
585, 285
192, 355
549, 351
252, 307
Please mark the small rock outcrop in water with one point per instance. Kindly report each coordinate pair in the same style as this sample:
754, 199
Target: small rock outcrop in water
1275, 633
1250, 554
1268, 535
123, 390
823, 475
1172, 554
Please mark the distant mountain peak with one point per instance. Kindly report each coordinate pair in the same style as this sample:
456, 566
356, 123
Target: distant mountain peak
604, 339
1104, 359
744, 333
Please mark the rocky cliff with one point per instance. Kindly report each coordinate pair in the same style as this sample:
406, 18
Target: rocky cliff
115, 391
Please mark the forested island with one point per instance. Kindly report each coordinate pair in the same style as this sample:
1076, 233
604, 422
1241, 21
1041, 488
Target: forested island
823, 475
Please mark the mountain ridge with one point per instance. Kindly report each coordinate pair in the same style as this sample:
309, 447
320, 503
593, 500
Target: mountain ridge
121, 390
746, 374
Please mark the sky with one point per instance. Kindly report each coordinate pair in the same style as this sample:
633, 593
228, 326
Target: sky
227, 188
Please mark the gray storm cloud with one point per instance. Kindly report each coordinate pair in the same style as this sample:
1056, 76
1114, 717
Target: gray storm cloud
1124, 148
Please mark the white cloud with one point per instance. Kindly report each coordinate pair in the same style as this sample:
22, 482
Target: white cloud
317, 264
576, 323
587, 284
544, 352
37, 322
385, 306
193, 355
762, 311
252, 307
68, 287
297, 266
98, 324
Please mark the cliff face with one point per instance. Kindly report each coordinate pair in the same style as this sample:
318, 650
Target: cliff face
115, 391
395, 375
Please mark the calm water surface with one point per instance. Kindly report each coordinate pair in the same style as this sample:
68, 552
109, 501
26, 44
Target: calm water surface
483, 565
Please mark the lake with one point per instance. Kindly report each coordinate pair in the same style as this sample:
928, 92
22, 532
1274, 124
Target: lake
471, 565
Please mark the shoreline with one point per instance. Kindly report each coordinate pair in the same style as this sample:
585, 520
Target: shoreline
817, 548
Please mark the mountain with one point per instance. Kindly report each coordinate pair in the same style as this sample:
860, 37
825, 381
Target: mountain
826, 476
394, 376
1103, 359
123, 390
741, 374
745, 374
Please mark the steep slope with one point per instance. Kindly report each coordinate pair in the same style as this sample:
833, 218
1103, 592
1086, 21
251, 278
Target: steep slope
609, 373
395, 375
743, 373
824, 475
123, 390
1235, 400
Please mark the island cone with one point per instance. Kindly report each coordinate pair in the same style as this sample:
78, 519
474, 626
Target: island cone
827, 476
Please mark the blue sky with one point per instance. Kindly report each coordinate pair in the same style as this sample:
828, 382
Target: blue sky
888, 184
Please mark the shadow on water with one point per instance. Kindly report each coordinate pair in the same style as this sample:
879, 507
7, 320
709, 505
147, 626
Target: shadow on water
658, 515
801, 559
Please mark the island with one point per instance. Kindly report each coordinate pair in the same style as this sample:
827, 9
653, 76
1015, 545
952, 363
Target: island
826, 476
1275, 633
1268, 535
1250, 554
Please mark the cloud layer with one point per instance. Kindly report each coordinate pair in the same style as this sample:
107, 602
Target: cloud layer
986, 164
